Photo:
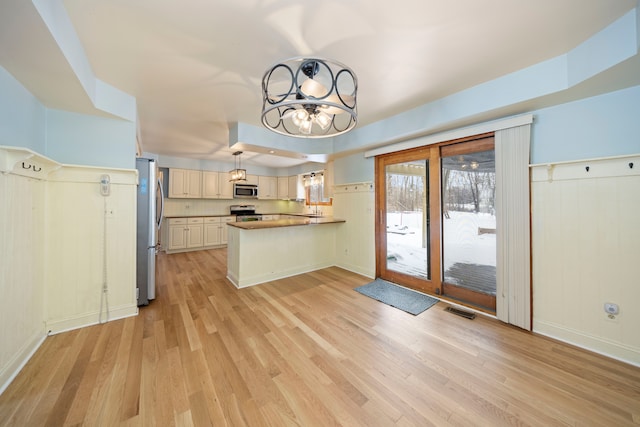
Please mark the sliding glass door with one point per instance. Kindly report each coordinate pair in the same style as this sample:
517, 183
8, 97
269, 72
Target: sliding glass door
407, 228
436, 225
469, 223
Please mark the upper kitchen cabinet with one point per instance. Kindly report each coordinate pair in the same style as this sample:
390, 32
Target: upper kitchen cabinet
185, 183
252, 179
216, 185
296, 188
267, 187
283, 187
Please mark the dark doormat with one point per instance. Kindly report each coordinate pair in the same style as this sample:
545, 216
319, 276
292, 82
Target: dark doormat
396, 296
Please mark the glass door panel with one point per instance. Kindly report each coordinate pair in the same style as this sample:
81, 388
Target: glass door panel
469, 227
407, 218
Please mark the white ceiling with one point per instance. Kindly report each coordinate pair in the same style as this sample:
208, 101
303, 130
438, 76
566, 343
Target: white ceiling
195, 66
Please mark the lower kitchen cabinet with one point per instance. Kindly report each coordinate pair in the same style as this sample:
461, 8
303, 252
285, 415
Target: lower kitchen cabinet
212, 231
177, 234
224, 228
197, 233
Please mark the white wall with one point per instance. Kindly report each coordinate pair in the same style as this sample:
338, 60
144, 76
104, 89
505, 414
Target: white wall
586, 248
355, 239
22, 288
75, 251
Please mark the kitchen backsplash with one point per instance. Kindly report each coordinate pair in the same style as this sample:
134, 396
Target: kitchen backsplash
203, 207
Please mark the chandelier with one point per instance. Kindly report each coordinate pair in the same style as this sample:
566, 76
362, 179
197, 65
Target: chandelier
237, 174
309, 98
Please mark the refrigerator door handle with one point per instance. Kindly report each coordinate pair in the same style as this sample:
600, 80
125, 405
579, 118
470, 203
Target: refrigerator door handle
161, 216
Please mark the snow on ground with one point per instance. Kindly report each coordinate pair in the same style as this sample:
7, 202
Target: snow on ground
462, 243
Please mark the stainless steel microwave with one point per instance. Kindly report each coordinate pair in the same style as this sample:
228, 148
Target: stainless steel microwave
245, 191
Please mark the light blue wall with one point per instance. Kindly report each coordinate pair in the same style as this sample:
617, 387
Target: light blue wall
79, 139
602, 126
22, 116
65, 137
353, 168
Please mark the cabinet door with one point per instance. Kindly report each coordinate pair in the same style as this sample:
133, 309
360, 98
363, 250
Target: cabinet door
224, 186
210, 185
267, 187
296, 188
194, 184
283, 187
224, 228
177, 183
177, 237
252, 179
212, 234
195, 235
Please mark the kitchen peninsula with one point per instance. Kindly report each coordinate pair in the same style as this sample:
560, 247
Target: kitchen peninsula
260, 251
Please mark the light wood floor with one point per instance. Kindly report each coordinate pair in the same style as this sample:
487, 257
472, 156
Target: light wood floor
309, 351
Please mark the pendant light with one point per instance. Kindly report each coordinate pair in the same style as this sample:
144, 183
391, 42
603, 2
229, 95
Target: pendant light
237, 174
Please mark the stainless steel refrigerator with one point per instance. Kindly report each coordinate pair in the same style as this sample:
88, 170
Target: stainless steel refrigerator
149, 213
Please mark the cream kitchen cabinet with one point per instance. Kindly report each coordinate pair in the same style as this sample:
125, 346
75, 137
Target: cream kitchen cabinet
195, 233
224, 228
185, 183
212, 231
177, 234
216, 185
267, 187
283, 187
215, 230
296, 188
185, 233
252, 179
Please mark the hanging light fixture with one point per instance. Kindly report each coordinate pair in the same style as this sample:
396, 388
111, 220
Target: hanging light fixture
309, 98
314, 178
237, 174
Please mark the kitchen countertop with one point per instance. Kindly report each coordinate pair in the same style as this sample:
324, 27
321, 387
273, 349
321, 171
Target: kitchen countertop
257, 225
199, 216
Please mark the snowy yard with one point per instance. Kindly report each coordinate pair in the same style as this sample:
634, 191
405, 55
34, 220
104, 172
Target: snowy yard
462, 243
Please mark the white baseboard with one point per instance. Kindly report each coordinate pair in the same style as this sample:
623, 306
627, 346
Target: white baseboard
598, 345
256, 280
63, 325
357, 269
15, 365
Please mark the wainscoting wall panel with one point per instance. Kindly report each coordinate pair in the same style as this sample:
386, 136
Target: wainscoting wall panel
355, 242
586, 252
79, 220
22, 246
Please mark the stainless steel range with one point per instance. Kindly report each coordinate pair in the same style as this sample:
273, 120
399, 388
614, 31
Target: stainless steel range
245, 213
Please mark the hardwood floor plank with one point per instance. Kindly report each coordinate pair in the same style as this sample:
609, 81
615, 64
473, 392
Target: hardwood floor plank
309, 351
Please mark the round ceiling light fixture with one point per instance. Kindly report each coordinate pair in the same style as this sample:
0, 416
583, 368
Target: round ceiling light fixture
309, 98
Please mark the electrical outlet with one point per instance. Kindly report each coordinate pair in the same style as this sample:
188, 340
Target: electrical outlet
611, 308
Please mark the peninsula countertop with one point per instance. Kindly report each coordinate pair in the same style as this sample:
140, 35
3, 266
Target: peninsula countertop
289, 222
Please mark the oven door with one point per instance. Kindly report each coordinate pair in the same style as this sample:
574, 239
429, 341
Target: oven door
245, 218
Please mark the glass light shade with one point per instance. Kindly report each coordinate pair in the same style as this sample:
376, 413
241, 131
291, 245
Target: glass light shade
238, 175
299, 117
305, 126
323, 120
